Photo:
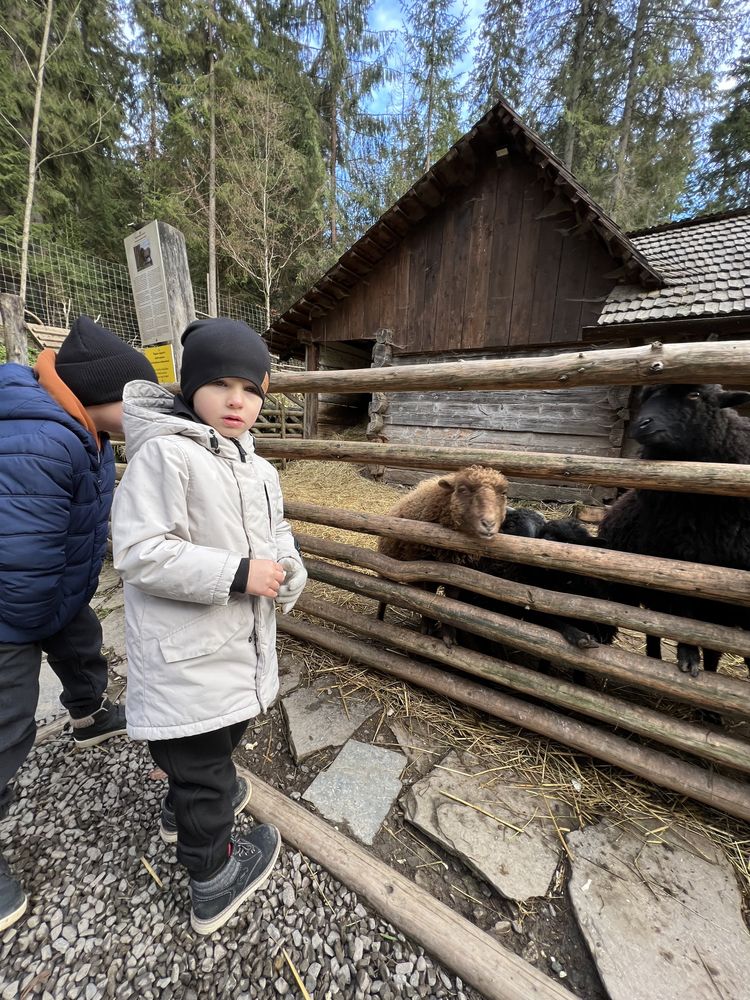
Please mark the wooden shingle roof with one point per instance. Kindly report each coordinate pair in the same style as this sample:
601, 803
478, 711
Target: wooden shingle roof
706, 265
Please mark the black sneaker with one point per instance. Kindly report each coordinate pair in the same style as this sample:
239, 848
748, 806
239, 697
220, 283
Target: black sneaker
13, 900
247, 868
106, 722
168, 828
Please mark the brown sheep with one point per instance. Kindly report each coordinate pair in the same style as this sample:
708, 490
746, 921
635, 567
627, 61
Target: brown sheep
471, 500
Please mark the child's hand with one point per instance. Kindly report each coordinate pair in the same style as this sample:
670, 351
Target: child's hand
265, 578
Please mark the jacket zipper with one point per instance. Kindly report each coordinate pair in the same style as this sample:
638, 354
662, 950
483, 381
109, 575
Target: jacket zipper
241, 450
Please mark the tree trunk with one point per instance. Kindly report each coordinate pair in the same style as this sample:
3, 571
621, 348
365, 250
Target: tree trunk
334, 156
213, 305
11, 309
31, 185
627, 112
575, 82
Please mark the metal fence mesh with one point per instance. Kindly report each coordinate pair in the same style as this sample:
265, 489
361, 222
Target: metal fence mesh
64, 283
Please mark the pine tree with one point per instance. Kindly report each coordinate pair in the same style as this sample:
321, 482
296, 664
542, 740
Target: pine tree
501, 68
726, 175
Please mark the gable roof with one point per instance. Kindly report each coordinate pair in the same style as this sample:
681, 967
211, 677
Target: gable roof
498, 129
706, 261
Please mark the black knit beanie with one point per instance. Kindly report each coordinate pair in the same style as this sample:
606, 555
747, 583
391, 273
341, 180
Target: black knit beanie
96, 365
223, 348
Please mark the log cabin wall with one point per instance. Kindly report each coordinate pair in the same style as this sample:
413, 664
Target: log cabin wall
501, 263
580, 421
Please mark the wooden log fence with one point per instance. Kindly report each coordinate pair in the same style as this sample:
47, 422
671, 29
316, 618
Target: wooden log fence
707, 690
712, 582
665, 626
682, 477
705, 786
687, 736
727, 361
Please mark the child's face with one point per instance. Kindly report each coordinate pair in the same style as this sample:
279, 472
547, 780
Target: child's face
229, 405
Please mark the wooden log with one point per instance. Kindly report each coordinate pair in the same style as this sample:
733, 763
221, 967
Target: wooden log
713, 582
728, 640
707, 690
312, 402
453, 941
11, 310
707, 362
662, 769
682, 477
688, 736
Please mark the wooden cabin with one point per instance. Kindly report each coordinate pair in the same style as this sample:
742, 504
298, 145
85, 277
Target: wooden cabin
496, 252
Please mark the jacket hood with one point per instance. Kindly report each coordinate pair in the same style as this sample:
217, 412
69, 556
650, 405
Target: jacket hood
22, 397
148, 412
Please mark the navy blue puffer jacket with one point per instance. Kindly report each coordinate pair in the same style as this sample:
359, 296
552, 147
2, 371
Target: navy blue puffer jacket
55, 498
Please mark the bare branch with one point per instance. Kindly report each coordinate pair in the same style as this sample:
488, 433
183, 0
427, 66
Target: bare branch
23, 54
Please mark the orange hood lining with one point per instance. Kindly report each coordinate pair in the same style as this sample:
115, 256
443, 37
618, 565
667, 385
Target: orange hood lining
54, 385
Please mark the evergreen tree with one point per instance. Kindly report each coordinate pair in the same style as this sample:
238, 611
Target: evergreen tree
82, 179
501, 67
726, 174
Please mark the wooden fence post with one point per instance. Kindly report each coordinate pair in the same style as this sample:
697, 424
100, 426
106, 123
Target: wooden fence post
14, 328
312, 363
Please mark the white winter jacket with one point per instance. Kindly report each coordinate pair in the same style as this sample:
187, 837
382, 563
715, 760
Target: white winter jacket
190, 506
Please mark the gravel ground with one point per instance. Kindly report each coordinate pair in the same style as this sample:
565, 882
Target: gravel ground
98, 925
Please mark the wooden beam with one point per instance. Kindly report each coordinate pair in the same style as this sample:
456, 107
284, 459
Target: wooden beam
451, 939
662, 769
707, 690
707, 362
312, 402
728, 640
681, 477
691, 737
716, 583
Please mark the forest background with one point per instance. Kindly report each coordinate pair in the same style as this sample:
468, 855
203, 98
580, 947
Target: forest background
274, 132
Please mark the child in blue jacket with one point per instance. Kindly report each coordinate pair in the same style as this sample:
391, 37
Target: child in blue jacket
56, 481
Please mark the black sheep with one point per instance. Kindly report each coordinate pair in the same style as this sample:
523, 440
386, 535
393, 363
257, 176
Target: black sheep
531, 524
686, 423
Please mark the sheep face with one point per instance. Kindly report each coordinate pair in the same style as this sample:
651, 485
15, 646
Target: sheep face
678, 419
478, 501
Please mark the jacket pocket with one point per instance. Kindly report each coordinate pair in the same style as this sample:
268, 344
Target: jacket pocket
206, 634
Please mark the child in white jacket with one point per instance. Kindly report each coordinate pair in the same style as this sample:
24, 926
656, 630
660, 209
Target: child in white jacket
200, 540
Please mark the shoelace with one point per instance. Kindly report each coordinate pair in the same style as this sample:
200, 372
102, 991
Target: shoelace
243, 849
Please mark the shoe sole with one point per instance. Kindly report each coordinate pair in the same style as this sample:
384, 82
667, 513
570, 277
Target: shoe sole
204, 927
94, 741
170, 836
10, 918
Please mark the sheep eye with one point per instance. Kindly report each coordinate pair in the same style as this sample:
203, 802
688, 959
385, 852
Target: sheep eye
693, 395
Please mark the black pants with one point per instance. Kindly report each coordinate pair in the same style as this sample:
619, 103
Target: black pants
75, 655
201, 781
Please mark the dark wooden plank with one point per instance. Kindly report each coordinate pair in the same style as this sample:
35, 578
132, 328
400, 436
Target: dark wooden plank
545, 281
597, 286
478, 263
597, 424
445, 278
502, 269
416, 298
560, 444
433, 245
455, 271
527, 262
566, 321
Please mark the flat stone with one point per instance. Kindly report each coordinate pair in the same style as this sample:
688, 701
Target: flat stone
519, 865
316, 720
358, 788
413, 738
291, 672
660, 919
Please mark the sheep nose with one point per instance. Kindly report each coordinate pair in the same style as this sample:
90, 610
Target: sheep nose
488, 524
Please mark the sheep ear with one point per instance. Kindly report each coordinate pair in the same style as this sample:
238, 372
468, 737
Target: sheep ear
738, 398
447, 483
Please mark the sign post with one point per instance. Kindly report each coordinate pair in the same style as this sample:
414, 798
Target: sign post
163, 293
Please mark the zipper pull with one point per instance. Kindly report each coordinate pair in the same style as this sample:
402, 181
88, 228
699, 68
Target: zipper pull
214, 442
241, 450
